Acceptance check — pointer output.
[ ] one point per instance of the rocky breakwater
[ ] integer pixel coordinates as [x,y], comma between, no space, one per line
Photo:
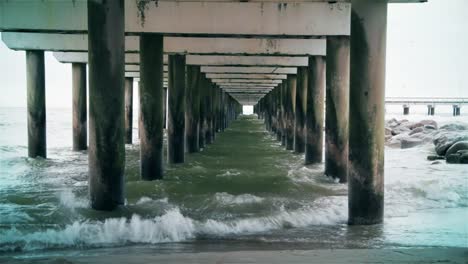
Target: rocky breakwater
[450,140]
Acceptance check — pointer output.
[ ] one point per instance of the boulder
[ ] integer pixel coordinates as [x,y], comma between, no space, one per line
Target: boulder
[410,142]
[435,157]
[453,158]
[454,127]
[459,146]
[464,158]
[430,127]
[416,130]
[445,139]
[388,131]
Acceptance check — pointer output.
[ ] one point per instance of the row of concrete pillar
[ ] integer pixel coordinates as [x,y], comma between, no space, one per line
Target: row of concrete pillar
[431,110]
[197,109]
[352,77]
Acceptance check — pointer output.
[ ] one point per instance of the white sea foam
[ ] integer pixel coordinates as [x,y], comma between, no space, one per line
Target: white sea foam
[70,200]
[229,199]
[170,227]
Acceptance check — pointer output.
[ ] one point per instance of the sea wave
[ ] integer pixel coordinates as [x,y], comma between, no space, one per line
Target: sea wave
[229,199]
[172,226]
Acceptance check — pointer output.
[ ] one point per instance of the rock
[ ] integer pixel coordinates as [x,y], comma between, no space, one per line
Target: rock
[461,145]
[399,130]
[454,127]
[416,130]
[435,162]
[444,140]
[388,131]
[430,127]
[410,142]
[435,157]
[464,158]
[453,158]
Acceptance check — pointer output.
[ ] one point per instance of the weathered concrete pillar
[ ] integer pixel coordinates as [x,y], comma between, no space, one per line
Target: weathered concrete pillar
[315,108]
[203,108]
[35,83]
[367,110]
[337,108]
[279,112]
[284,115]
[176,113]
[209,112]
[106,155]
[214,107]
[80,113]
[456,110]
[128,109]
[405,109]
[430,110]
[192,111]
[300,113]
[290,107]
[165,112]
[151,106]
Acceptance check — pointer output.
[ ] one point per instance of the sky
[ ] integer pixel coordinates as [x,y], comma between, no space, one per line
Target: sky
[427,55]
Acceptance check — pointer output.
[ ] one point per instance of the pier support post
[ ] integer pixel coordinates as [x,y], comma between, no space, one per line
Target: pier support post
[151,106]
[290,107]
[128,110]
[279,122]
[106,155]
[176,106]
[35,83]
[315,108]
[209,112]
[203,109]
[300,112]
[405,109]
[192,111]
[367,109]
[165,112]
[80,113]
[284,89]
[430,110]
[337,108]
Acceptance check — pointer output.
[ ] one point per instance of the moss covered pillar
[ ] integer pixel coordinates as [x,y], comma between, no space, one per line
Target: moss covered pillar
[290,107]
[176,110]
[80,112]
[315,108]
[337,108]
[36,97]
[106,155]
[151,106]
[192,110]
[300,111]
[367,109]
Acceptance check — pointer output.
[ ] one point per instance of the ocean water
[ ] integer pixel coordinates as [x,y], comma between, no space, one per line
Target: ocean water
[242,192]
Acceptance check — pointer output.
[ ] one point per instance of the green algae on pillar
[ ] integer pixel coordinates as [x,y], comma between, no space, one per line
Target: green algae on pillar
[35,83]
[315,108]
[106,155]
[192,111]
[290,107]
[300,112]
[176,110]
[367,109]
[128,109]
[151,106]
[80,113]
[337,108]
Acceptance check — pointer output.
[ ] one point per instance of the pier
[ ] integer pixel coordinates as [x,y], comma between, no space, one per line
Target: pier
[431,103]
[302,64]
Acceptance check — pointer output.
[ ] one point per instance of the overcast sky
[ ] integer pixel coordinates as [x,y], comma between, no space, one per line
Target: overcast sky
[427,55]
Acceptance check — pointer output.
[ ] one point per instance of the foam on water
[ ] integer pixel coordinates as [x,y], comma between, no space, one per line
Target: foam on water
[229,199]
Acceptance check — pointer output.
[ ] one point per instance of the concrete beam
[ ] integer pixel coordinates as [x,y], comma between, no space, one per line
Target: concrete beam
[185,18]
[245,76]
[242,81]
[203,60]
[172,45]
[267,70]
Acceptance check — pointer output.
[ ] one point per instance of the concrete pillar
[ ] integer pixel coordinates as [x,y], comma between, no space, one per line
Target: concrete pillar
[300,112]
[405,109]
[128,109]
[315,108]
[367,110]
[164,102]
[151,106]
[214,102]
[290,107]
[203,109]
[106,155]
[35,85]
[458,110]
[430,110]
[176,107]
[209,112]
[284,89]
[337,108]
[80,113]
[279,122]
[192,111]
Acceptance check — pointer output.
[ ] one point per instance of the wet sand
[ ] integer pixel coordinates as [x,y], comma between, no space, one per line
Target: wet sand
[427,255]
